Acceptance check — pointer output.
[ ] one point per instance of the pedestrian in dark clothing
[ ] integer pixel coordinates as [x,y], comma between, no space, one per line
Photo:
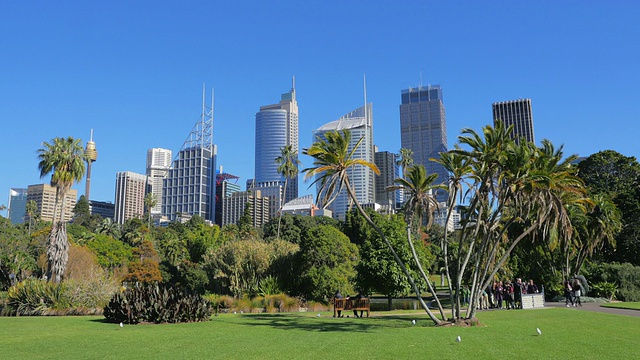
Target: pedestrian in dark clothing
[517,293]
[531,287]
[568,290]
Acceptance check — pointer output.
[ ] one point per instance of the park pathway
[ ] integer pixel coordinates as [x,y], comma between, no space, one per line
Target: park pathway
[590,306]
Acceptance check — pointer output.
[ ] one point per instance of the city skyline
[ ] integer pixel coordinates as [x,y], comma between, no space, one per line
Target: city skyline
[137,79]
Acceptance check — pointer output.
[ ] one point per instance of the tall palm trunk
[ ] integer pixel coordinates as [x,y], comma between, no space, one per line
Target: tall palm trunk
[393,252]
[58,250]
[424,275]
[284,196]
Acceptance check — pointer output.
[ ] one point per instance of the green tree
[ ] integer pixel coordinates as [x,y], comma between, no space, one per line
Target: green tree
[287,167]
[332,160]
[618,176]
[64,159]
[326,262]
[377,270]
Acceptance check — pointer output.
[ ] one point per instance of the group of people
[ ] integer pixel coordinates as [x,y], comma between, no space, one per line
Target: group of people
[338,295]
[572,292]
[502,295]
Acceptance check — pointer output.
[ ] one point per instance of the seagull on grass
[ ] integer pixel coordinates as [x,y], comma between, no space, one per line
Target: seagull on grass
[539,331]
[458,339]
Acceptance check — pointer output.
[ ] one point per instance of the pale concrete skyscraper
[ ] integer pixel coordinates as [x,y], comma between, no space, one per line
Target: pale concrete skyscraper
[423,129]
[130,191]
[158,163]
[276,127]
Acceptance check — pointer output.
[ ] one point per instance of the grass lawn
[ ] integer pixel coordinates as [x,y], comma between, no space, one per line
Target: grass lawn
[504,334]
[623,305]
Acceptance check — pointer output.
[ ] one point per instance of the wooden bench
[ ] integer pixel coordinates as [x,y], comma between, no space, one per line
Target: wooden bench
[343,304]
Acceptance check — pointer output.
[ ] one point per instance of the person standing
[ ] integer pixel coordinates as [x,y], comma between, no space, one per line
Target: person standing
[577,291]
[517,293]
[568,290]
[531,287]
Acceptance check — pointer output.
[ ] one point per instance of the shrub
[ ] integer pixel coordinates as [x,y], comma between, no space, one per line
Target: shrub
[36,297]
[158,304]
[605,289]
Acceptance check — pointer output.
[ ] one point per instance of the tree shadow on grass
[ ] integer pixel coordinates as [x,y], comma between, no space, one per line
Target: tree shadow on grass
[327,324]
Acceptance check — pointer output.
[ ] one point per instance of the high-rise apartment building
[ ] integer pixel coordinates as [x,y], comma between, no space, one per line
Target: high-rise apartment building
[190,185]
[423,129]
[360,123]
[17,205]
[233,207]
[389,171]
[517,113]
[158,164]
[276,127]
[130,191]
[44,196]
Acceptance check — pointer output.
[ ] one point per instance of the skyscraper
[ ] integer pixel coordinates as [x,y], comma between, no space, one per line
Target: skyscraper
[130,191]
[389,171]
[226,184]
[158,164]
[360,123]
[517,113]
[92,156]
[17,205]
[276,127]
[234,205]
[423,129]
[190,186]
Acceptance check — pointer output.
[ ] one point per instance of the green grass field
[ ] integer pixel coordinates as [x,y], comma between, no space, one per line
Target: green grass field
[504,334]
[623,305]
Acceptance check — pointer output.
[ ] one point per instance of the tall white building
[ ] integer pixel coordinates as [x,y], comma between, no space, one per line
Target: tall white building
[360,123]
[158,163]
[130,191]
[276,127]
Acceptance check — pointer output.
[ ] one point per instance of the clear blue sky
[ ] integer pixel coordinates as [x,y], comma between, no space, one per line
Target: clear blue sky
[133,71]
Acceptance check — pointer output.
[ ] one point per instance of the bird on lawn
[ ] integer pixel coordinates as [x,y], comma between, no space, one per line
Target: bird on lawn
[121,325]
[413,321]
[458,339]
[539,331]
[318,314]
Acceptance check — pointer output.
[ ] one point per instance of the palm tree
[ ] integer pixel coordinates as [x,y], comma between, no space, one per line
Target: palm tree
[405,159]
[603,224]
[419,204]
[332,160]
[288,168]
[31,210]
[64,159]
[150,200]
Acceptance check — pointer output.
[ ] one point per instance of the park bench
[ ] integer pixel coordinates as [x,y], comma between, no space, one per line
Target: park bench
[344,304]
